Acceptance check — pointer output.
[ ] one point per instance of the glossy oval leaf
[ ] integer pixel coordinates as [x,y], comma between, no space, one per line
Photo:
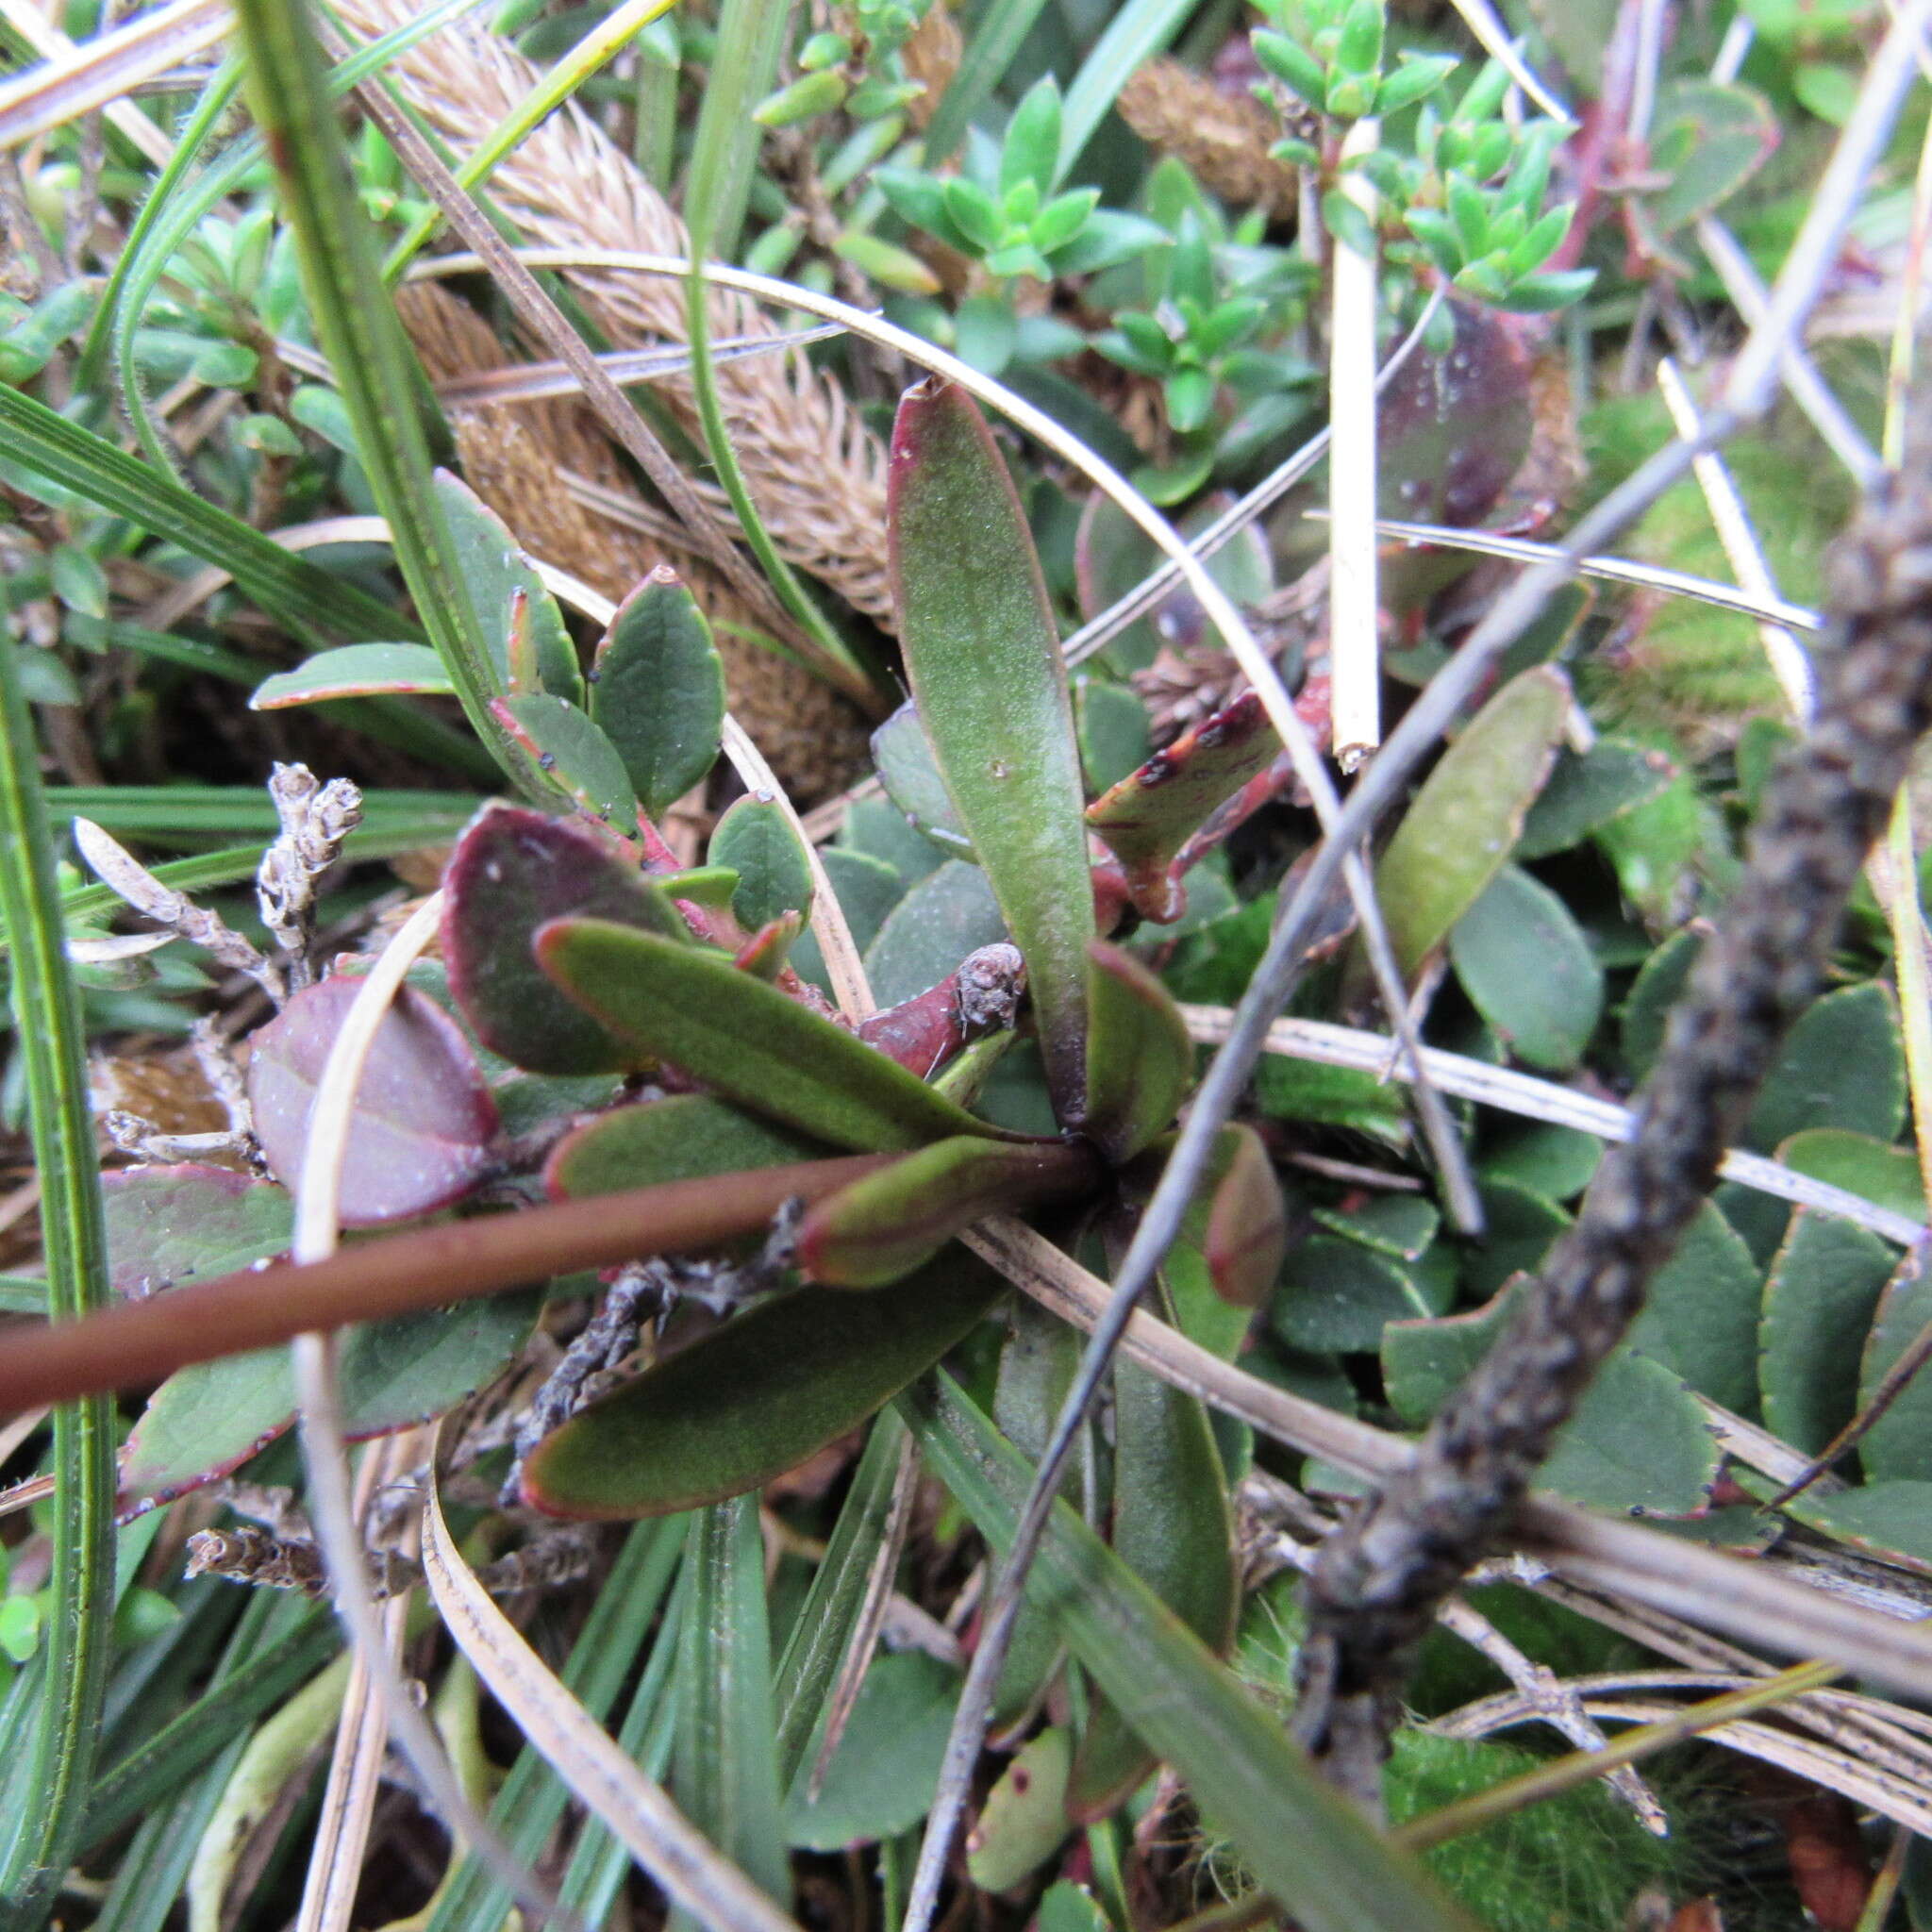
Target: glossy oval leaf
[1588,790]
[511,871]
[1699,1315]
[1140,1060]
[1150,814]
[756,1397]
[574,756]
[1024,1817]
[1460,827]
[691,1007]
[175,1224]
[357,671]
[681,1138]
[984,665]
[755,839]
[657,690]
[1898,1446]
[496,571]
[881,1228]
[422,1130]
[1530,970]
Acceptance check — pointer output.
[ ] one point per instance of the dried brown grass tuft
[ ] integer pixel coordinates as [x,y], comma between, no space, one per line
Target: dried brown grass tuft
[1224,138]
[816,472]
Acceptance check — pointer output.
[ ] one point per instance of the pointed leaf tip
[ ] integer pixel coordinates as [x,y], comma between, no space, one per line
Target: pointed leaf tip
[984,660]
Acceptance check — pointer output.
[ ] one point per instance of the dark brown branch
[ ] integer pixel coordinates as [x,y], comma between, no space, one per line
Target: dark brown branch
[141,1341]
[1383,1574]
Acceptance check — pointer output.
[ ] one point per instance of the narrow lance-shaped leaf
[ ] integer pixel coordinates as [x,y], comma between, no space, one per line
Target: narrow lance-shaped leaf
[683,1136]
[575,758]
[751,1043]
[659,690]
[892,1221]
[724,1772]
[1172,1527]
[756,1397]
[520,619]
[987,673]
[1150,814]
[357,671]
[1465,820]
[513,870]
[1140,1060]
[1305,1842]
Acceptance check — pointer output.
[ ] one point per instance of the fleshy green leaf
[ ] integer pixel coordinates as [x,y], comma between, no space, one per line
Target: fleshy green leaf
[1462,823]
[882,1228]
[423,1124]
[1819,1299]
[1246,1234]
[1337,1295]
[1700,1316]
[1024,1817]
[167,1225]
[1148,816]
[1302,1839]
[513,869]
[574,755]
[1140,1060]
[1530,970]
[986,670]
[755,837]
[1860,1164]
[691,1007]
[357,671]
[488,560]
[1112,722]
[756,1397]
[1708,138]
[659,690]
[683,1136]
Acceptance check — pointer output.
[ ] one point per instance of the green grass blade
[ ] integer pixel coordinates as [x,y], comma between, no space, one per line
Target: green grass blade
[998,37]
[378,376]
[1139,31]
[300,595]
[165,814]
[750,35]
[533,1797]
[22,1295]
[1305,1843]
[830,1615]
[724,1771]
[41,1824]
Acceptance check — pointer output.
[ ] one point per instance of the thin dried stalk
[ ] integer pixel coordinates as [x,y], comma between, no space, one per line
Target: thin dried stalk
[119,869]
[816,472]
[1382,1576]
[315,819]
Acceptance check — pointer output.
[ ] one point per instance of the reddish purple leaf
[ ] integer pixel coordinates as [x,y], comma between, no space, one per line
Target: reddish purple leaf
[1148,817]
[175,1224]
[513,869]
[421,1132]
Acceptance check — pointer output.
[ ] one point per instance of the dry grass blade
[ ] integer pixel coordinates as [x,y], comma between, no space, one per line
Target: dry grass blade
[817,473]
[1706,1588]
[78,80]
[1619,570]
[693,1874]
[533,381]
[390,1710]
[1540,1100]
[31,24]
[1480,18]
